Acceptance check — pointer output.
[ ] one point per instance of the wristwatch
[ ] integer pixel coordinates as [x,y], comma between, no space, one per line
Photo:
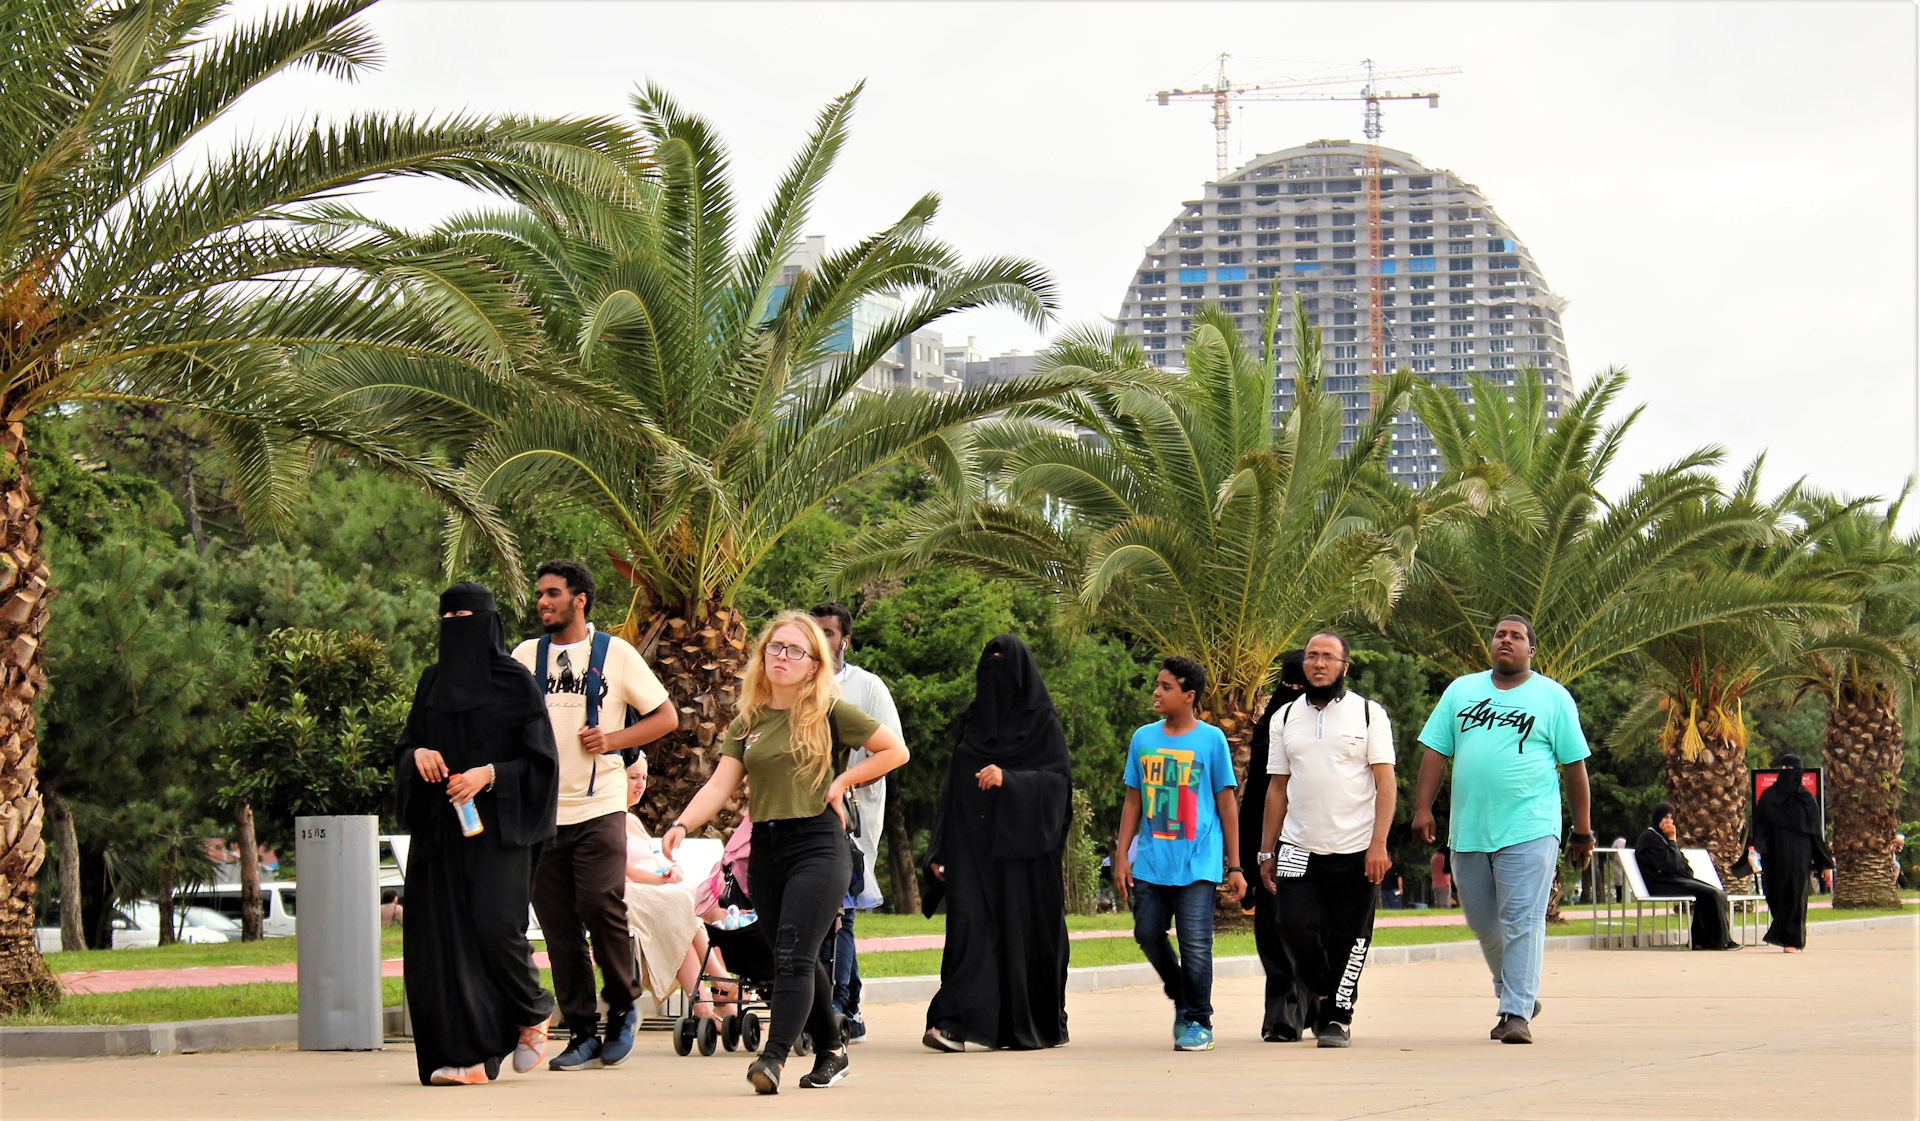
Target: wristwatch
[1580,838]
[1263,857]
[1236,868]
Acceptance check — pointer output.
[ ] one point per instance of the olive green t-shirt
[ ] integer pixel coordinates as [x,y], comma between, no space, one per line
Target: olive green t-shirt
[779,789]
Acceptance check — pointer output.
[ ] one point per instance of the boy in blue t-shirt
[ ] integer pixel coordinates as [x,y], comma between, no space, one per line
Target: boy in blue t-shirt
[1182,773]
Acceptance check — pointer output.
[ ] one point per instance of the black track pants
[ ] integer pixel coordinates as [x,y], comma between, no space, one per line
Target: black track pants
[1326,924]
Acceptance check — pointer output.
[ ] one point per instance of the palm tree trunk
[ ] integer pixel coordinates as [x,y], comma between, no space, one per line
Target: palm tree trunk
[906,880]
[1236,721]
[1864,751]
[169,934]
[23,614]
[699,657]
[72,933]
[250,909]
[1709,794]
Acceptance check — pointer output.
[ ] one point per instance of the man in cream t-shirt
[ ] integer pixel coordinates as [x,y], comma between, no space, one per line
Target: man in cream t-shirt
[1329,806]
[579,888]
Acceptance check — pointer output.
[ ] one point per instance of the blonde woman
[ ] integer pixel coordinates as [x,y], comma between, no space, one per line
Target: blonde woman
[783,740]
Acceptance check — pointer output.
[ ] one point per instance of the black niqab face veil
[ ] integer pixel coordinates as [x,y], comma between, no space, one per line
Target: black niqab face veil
[1012,715]
[1787,804]
[473,649]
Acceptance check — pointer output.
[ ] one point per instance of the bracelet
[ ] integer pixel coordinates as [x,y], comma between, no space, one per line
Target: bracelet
[492,775]
[681,826]
[1235,868]
[1580,838]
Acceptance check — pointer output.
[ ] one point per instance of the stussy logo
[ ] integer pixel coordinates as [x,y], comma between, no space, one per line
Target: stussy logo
[1486,715]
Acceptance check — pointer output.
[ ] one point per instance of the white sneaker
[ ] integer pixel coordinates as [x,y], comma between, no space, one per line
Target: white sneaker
[531,1048]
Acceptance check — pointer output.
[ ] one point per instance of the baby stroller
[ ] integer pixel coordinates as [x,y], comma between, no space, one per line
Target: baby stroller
[749,956]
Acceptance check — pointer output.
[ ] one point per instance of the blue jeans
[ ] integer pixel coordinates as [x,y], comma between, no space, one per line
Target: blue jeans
[839,952]
[1188,978]
[1504,897]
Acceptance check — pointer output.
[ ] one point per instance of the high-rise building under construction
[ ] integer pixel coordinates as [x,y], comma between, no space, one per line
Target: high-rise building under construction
[1459,294]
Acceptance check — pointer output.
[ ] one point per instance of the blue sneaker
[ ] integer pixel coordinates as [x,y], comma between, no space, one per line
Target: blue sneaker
[619,1042]
[1196,1037]
[582,1053]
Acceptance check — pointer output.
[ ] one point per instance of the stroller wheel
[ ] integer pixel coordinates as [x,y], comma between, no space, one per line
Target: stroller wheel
[730,1032]
[750,1030]
[683,1033]
[803,1045]
[709,1037]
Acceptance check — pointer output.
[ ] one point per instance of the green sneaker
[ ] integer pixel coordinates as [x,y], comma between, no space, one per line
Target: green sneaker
[1196,1037]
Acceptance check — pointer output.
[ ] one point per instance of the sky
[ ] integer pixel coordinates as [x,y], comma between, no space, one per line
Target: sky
[1724,192]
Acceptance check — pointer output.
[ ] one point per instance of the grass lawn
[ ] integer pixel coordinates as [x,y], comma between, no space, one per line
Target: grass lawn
[267,951]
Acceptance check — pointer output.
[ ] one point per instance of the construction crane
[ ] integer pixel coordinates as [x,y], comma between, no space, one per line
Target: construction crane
[1225,92]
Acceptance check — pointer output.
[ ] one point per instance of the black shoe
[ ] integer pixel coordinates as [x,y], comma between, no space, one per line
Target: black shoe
[1281,1035]
[828,1067]
[1512,1029]
[1333,1035]
[764,1075]
[941,1041]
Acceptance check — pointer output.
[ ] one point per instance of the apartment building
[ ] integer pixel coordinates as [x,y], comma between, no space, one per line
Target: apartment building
[1460,295]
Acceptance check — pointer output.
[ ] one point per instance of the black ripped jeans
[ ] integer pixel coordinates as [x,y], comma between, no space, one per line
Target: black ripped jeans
[798,876]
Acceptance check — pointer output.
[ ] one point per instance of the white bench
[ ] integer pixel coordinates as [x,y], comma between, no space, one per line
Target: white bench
[1744,922]
[1657,920]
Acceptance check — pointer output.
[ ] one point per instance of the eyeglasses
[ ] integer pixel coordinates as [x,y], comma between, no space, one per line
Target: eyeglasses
[789,653]
[1321,659]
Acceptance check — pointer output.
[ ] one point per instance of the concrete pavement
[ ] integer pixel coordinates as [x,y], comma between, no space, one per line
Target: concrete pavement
[1755,1034]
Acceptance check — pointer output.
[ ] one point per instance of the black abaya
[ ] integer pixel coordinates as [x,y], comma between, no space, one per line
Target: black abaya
[1288,1004]
[1003,974]
[1666,871]
[1786,833]
[470,978]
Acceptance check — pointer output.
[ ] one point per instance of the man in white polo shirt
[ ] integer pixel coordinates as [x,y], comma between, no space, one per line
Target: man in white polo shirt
[1329,805]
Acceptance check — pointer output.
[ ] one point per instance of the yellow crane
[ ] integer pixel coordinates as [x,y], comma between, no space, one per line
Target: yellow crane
[1225,92]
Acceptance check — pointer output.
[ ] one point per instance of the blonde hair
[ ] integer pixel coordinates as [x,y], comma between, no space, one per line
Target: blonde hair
[809,721]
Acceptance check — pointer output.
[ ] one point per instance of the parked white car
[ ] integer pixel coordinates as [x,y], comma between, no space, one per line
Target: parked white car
[138,924]
[276,896]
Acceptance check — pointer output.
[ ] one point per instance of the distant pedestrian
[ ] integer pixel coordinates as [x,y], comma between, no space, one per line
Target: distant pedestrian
[1666,872]
[477,740]
[869,694]
[1787,835]
[579,890]
[1440,868]
[1323,848]
[1508,732]
[1179,778]
[996,854]
[391,912]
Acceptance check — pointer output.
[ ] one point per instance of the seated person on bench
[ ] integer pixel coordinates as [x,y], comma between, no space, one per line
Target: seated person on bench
[660,909]
[1667,872]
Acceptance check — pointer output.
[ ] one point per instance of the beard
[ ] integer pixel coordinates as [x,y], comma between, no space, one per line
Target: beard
[556,626]
[1331,691]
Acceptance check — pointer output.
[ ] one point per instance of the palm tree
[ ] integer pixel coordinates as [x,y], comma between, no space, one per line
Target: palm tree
[137,265]
[1187,517]
[1592,574]
[1695,681]
[725,386]
[1865,664]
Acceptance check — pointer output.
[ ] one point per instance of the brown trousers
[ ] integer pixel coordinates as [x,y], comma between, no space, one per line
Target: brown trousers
[579,890]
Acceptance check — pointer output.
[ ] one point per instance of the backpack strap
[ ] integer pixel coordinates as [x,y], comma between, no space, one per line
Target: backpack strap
[540,651]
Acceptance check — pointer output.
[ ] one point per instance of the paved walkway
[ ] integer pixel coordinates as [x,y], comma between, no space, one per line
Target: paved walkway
[1630,1034]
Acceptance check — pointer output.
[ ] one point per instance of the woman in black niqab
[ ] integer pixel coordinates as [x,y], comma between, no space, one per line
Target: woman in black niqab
[1288,1003]
[478,722]
[996,850]
[1667,871]
[1786,833]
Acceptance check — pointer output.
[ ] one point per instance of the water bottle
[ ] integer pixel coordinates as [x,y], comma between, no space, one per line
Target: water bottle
[469,815]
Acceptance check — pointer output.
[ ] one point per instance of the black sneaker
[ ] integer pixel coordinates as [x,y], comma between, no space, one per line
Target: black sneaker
[828,1067]
[582,1053]
[764,1075]
[1333,1035]
[1513,1029]
[941,1041]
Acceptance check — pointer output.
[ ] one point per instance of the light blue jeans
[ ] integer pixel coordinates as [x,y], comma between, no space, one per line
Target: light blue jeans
[1504,896]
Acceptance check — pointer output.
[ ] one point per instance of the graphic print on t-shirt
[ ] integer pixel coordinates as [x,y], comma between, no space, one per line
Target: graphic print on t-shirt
[1169,781]
[1485,714]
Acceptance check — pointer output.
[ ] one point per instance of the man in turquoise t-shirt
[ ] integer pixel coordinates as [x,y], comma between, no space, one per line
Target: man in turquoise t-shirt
[1180,788]
[1508,731]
